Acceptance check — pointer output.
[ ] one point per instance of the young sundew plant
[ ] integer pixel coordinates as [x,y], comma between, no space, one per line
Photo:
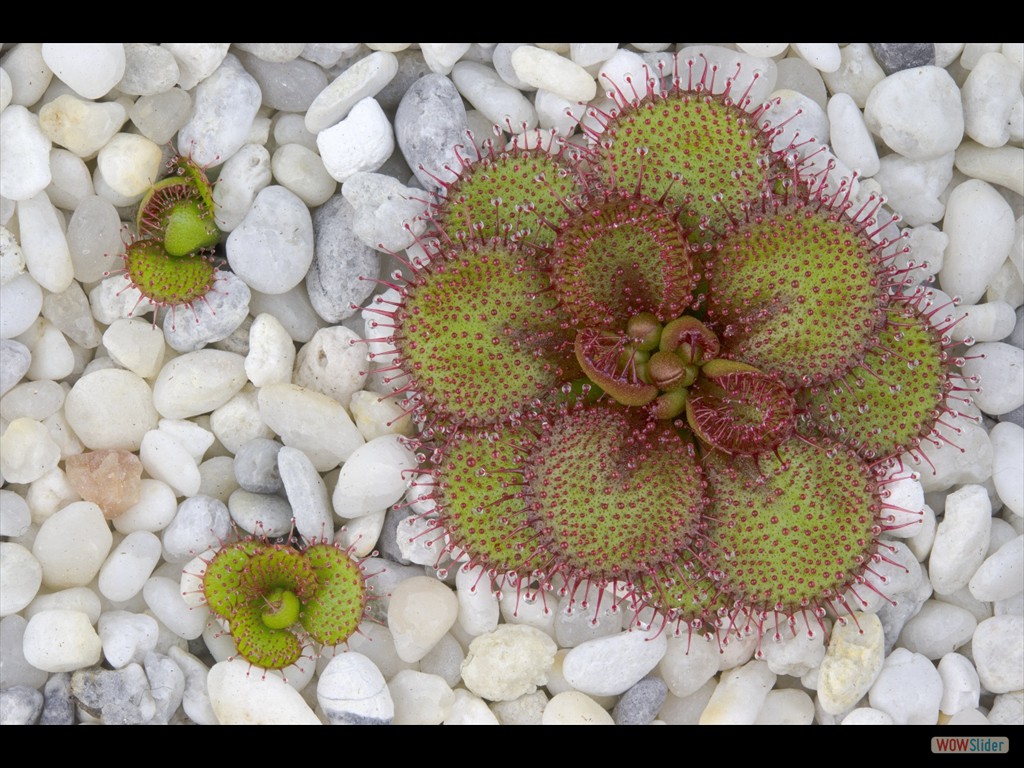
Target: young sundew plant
[277,600]
[675,363]
[171,261]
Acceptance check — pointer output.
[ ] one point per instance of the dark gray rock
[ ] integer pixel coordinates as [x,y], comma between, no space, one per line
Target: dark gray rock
[290,86]
[429,122]
[641,703]
[20,705]
[256,466]
[116,697]
[387,543]
[895,57]
[58,706]
[340,259]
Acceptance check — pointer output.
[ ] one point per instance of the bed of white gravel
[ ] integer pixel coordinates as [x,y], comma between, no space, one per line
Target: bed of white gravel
[318,149]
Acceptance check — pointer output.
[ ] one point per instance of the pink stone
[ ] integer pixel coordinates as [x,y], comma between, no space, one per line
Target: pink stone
[109,478]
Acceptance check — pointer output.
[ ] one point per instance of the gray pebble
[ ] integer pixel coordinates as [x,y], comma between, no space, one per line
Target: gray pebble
[307,495]
[117,697]
[387,543]
[289,86]
[238,340]
[411,67]
[166,683]
[202,523]
[58,706]
[340,259]
[641,703]
[1016,416]
[212,318]
[260,514]
[256,466]
[14,362]
[894,617]
[895,57]
[429,122]
[20,705]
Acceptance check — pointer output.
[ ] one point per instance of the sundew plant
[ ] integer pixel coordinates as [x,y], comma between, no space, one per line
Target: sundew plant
[673,364]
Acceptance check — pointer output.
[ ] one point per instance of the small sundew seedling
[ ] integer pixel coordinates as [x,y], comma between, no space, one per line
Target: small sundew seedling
[178,210]
[276,599]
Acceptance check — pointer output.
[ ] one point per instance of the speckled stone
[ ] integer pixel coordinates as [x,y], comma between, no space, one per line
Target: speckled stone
[641,703]
[898,56]
[20,705]
[58,706]
[340,259]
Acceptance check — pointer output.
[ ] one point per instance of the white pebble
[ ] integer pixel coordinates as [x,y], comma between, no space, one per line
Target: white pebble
[166,459]
[52,355]
[333,362]
[499,102]
[917,112]
[152,512]
[127,637]
[135,345]
[271,352]
[374,477]
[61,641]
[512,661]
[300,170]
[961,539]
[163,596]
[360,142]
[239,420]
[468,709]
[852,662]
[27,452]
[1008,457]
[361,80]
[202,523]
[421,611]
[130,163]
[22,299]
[478,603]
[575,708]
[94,237]
[867,716]
[351,690]
[991,321]
[198,382]
[111,409]
[44,244]
[908,689]
[851,140]
[243,695]
[83,127]
[611,665]
[1001,576]
[223,110]
[441,57]
[376,416]
[1002,166]
[90,69]
[990,94]
[21,575]
[72,544]
[689,662]
[1000,369]
[789,706]
[420,699]
[128,566]
[545,69]
[998,650]
[980,226]
[739,695]
[272,248]
[314,423]
[937,629]
[241,178]
[83,599]
[961,688]
[821,56]
[387,214]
